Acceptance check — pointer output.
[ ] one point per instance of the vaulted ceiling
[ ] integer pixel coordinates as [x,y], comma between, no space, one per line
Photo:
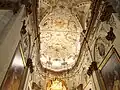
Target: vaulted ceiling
[61,23]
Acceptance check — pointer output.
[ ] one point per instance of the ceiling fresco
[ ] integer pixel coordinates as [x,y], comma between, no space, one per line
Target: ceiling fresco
[60,32]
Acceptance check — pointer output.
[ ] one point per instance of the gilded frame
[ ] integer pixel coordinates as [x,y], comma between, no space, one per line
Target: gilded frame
[110,70]
[15,71]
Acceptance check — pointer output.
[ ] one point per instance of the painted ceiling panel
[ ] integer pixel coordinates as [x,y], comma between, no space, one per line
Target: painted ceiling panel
[60,31]
[60,36]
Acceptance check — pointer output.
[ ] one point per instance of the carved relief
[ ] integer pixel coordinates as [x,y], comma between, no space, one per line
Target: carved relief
[101,45]
[101,49]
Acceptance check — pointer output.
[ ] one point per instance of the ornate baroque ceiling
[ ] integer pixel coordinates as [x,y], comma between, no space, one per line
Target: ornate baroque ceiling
[60,25]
